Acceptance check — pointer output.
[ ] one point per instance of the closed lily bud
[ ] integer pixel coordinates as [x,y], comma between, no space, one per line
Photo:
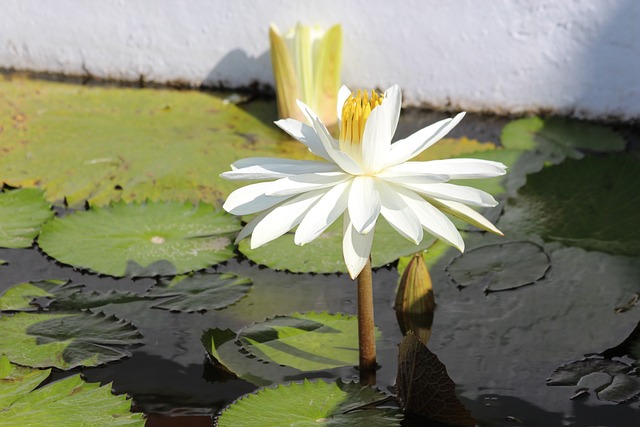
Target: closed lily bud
[415,302]
[307,61]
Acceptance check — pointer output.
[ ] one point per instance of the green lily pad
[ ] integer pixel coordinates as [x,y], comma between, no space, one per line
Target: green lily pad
[500,267]
[227,354]
[69,402]
[141,239]
[65,341]
[200,292]
[305,341]
[591,203]
[560,137]
[324,254]
[22,213]
[105,144]
[310,404]
[20,296]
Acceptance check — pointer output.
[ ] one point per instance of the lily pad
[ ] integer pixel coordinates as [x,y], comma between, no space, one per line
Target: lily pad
[558,137]
[619,383]
[227,354]
[425,388]
[65,341]
[305,341]
[141,239]
[20,296]
[22,213]
[105,144]
[310,404]
[591,203]
[200,292]
[69,402]
[324,254]
[500,267]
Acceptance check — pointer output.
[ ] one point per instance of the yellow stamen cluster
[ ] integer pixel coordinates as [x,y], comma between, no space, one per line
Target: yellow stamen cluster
[355,113]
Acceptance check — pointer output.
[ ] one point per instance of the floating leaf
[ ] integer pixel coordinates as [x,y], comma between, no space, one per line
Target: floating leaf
[305,341]
[227,354]
[20,296]
[68,402]
[65,340]
[560,137]
[500,267]
[619,386]
[424,387]
[200,292]
[592,203]
[324,254]
[22,213]
[107,144]
[310,404]
[138,240]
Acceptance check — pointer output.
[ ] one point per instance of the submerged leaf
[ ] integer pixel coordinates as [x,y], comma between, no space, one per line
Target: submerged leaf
[310,404]
[424,387]
[67,340]
[591,203]
[19,297]
[500,267]
[22,213]
[141,240]
[200,292]
[67,402]
[305,341]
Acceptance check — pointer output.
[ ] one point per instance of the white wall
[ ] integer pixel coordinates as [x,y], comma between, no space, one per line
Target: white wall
[578,57]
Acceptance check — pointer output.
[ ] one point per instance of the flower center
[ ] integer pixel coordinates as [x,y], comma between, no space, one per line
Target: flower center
[355,113]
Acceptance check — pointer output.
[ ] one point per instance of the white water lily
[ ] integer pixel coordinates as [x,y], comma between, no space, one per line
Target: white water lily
[362,175]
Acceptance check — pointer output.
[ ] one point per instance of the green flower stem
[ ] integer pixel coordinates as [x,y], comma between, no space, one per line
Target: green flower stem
[366,336]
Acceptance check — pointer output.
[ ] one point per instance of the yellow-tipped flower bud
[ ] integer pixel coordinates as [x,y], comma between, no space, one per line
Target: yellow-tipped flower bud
[415,302]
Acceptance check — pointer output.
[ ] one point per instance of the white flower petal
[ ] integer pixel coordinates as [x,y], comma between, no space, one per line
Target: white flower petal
[398,214]
[356,248]
[456,193]
[302,183]
[431,219]
[364,204]
[414,144]
[260,168]
[392,104]
[411,174]
[465,213]
[306,135]
[376,141]
[458,168]
[338,157]
[343,94]
[251,225]
[329,208]
[283,218]
[251,199]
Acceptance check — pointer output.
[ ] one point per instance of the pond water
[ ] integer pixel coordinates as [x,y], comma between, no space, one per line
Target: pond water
[560,293]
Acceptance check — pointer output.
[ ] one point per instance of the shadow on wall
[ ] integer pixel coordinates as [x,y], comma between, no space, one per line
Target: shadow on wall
[243,68]
[604,84]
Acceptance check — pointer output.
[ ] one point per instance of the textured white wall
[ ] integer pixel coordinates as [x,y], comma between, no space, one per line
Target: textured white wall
[579,57]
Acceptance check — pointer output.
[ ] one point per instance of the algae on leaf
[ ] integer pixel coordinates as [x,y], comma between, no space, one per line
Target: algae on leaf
[68,402]
[141,239]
